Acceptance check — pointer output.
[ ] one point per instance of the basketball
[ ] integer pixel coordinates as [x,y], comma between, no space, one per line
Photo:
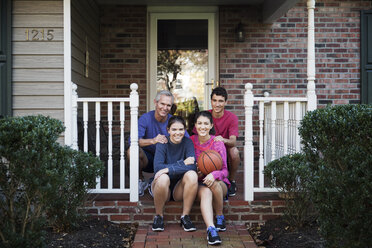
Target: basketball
[209,161]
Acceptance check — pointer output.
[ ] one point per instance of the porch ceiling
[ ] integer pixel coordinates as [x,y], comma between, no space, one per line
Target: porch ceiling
[271,9]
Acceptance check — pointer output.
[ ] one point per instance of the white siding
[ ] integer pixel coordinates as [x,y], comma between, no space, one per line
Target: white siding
[85,28]
[37,72]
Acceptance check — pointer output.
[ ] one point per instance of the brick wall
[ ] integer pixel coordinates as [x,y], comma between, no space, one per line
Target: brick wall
[144,211]
[273,57]
[123,51]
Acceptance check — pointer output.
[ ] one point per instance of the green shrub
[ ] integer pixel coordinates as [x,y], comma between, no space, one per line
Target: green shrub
[291,175]
[78,172]
[338,143]
[34,171]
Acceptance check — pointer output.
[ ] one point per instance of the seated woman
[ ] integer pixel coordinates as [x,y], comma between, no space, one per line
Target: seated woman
[212,187]
[175,174]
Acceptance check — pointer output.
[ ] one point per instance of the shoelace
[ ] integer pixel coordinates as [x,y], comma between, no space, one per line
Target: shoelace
[213,231]
[157,219]
[186,219]
[220,220]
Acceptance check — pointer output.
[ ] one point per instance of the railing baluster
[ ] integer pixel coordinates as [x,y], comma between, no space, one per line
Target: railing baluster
[267,136]
[109,160]
[261,146]
[298,119]
[273,122]
[122,179]
[85,121]
[285,119]
[98,139]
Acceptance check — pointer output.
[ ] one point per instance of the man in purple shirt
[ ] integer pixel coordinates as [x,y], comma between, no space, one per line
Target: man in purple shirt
[152,129]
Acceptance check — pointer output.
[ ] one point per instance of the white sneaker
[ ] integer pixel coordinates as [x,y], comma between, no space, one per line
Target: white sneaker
[142,186]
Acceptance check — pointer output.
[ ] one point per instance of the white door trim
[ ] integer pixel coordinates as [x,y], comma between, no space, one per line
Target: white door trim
[162,13]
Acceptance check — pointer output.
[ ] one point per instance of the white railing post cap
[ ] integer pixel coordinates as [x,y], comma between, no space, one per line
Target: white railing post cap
[134,86]
[248,86]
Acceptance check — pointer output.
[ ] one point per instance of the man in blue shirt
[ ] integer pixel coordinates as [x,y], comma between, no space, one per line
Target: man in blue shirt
[152,129]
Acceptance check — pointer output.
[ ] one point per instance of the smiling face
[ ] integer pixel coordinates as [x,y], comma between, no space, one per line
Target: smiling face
[218,104]
[176,132]
[203,125]
[163,107]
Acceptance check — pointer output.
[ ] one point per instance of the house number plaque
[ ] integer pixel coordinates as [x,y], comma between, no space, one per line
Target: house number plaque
[39,34]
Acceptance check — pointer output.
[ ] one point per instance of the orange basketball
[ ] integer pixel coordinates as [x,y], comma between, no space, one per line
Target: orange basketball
[209,161]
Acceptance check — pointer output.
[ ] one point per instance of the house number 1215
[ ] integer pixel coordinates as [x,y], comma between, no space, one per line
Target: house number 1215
[39,34]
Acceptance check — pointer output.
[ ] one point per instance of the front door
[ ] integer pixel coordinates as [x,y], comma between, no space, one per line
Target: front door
[183,59]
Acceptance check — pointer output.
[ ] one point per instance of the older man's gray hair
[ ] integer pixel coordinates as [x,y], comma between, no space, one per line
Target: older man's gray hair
[164,93]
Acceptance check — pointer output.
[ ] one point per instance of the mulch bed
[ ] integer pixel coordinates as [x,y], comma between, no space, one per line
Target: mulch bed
[95,233]
[277,234]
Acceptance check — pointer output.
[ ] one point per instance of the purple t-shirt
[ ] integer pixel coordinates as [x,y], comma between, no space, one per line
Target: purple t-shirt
[149,128]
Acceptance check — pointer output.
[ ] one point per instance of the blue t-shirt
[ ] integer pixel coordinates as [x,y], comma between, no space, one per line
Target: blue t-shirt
[149,128]
[172,155]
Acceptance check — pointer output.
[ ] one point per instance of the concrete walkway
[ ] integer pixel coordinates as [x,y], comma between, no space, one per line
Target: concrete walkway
[236,236]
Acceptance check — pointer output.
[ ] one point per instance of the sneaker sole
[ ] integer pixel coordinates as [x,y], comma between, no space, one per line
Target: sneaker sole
[190,229]
[158,229]
[217,242]
[220,229]
[232,194]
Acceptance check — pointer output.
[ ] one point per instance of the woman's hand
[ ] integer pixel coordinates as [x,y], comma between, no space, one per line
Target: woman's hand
[161,172]
[189,160]
[200,174]
[209,180]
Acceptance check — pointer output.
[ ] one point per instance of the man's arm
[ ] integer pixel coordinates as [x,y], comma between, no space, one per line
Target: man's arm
[231,142]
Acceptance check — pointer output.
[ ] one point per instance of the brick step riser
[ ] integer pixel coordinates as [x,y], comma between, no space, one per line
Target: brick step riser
[237,212]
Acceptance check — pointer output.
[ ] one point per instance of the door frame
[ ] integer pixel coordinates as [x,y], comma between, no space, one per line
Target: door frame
[156,13]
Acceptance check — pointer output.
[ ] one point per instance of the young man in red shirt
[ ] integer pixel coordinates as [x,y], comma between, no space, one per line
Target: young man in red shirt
[227,131]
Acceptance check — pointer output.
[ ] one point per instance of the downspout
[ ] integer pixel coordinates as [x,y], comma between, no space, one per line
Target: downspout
[67,71]
[311,95]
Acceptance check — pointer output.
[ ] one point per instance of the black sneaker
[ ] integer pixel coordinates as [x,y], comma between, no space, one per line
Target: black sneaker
[220,223]
[232,189]
[158,225]
[212,236]
[187,225]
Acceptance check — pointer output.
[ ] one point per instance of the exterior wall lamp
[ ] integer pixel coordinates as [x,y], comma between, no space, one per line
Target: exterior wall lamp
[239,33]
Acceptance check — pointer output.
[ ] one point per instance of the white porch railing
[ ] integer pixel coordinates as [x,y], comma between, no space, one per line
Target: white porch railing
[278,122]
[279,118]
[133,101]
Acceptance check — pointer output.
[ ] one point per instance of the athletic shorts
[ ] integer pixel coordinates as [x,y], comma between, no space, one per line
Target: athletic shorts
[150,164]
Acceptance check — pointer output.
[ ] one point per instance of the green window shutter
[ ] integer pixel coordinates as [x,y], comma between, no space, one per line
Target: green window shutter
[366,56]
[5,59]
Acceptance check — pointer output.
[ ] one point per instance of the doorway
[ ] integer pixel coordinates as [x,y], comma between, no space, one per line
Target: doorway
[183,58]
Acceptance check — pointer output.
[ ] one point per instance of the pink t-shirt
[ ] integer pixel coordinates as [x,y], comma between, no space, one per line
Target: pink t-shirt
[227,125]
[218,146]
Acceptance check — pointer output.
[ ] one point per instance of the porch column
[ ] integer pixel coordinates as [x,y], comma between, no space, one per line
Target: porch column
[67,72]
[311,96]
